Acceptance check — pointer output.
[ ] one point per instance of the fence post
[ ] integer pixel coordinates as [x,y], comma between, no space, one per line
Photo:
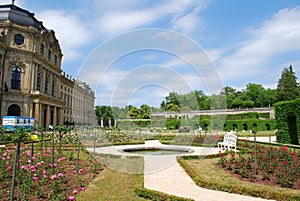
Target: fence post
[16,161]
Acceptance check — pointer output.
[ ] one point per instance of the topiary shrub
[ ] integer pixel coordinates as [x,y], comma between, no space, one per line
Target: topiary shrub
[287,115]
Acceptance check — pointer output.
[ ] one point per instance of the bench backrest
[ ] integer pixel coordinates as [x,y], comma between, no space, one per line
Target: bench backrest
[230,139]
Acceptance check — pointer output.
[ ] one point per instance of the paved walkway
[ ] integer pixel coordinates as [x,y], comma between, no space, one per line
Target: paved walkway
[260,139]
[163,173]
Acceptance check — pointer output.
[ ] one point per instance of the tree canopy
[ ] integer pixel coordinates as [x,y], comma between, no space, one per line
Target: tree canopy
[287,87]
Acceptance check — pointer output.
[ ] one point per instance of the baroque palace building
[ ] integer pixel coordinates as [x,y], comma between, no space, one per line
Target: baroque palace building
[32,81]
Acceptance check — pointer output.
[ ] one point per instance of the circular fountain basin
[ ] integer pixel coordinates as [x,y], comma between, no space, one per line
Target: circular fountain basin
[158,150]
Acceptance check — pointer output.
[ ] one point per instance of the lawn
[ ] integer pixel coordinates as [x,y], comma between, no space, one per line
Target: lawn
[112,185]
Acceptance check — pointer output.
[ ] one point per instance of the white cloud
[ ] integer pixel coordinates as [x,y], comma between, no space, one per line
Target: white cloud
[69,29]
[188,22]
[275,37]
[115,18]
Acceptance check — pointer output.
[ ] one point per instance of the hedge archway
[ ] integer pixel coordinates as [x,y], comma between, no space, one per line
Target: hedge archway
[287,114]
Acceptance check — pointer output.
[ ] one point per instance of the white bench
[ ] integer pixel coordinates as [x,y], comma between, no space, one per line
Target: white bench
[229,142]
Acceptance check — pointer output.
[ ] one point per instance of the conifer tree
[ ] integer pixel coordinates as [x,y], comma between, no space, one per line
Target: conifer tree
[287,87]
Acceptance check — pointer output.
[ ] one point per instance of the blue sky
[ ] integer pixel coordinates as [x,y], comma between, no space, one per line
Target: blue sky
[248,41]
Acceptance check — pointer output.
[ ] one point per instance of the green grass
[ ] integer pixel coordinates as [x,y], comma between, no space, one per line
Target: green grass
[117,181]
[206,174]
[258,134]
[122,179]
[112,185]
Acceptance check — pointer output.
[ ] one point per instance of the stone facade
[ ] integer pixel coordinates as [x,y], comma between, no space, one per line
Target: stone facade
[32,81]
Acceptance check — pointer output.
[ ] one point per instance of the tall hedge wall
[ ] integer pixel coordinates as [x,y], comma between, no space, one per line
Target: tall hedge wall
[246,124]
[287,115]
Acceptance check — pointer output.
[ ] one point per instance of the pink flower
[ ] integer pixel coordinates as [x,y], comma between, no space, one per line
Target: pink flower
[3,158]
[33,169]
[61,159]
[81,188]
[71,198]
[45,172]
[33,158]
[60,174]
[53,177]
[9,168]
[45,176]
[23,167]
[42,162]
[81,170]
[74,172]
[75,192]
[36,179]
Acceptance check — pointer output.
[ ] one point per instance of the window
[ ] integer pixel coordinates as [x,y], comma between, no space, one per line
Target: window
[55,59]
[13,110]
[38,82]
[52,88]
[46,85]
[49,55]
[16,78]
[42,49]
[19,39]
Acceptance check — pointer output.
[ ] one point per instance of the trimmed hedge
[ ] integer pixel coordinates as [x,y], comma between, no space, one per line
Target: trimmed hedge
[156,195]
[287,114]
[246,124]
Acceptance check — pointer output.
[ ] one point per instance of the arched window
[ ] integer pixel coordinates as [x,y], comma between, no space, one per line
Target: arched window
[13,110]
[38,82]
[16,78]
[46,85]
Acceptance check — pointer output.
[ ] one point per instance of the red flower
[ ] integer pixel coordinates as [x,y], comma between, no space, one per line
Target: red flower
[284,162]
[232,154]
[223,155]
[295,156]
[245,145]
[284,148]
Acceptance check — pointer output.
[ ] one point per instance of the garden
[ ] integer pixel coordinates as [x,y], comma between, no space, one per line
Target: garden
[270,165]
[55,168]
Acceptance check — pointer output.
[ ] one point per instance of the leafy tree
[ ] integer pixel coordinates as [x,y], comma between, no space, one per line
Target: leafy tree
[172,98]
[145,111]
[104,112]
[267,98]
[134,112]
[120,113]
[253,91]
[287,87]
[231,95]
[171,107]
[204,101]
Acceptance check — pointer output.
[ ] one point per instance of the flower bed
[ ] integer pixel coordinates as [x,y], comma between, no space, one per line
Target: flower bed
[269,165]
[41,174]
